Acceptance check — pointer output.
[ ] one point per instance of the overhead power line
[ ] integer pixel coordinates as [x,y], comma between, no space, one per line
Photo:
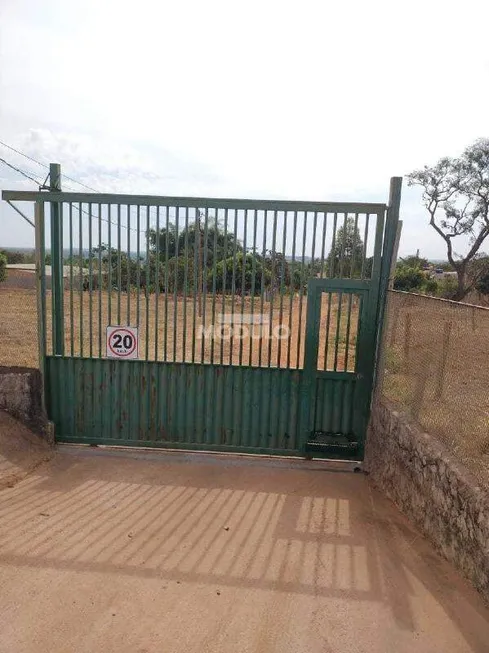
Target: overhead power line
[43,185]
[45,165]
[22,172]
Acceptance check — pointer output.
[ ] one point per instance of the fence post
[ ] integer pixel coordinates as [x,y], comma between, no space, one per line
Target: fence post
[391,283]
[447,329]
[57,277]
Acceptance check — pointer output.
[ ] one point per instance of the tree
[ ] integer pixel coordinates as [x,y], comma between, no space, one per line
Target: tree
[477,270]
[415,261]
[482,285]
[456,196]
[210,243]
[3,267]
[411,276]
[234,270]
[165,241]
[123,270]
[345,257]
[278,269]
[14,257]
[408,279]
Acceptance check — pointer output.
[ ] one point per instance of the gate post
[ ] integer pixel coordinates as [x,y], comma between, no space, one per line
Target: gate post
[392,237]
[57,277]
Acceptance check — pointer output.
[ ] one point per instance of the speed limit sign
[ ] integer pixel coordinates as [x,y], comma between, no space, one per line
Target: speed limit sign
[122,342]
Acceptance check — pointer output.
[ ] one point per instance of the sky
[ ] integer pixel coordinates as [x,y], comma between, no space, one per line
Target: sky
[311,100]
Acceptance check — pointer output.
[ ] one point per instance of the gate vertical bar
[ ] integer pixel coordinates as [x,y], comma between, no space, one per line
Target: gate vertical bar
[310,363]
[41,292]
[57,261]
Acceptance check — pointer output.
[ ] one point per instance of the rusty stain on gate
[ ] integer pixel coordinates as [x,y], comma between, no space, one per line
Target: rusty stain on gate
[258,320]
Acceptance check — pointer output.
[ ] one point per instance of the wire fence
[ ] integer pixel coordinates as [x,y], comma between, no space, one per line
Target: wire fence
[18,322]
[437,371]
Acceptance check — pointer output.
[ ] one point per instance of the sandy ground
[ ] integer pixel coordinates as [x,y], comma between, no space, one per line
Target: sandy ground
[21,451]
[159,552]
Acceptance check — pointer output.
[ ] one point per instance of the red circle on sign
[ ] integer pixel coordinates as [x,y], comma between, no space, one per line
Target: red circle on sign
[124,331]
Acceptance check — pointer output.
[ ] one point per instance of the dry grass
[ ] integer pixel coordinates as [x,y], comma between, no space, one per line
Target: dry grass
[167,327]
[18,327]
[451,400]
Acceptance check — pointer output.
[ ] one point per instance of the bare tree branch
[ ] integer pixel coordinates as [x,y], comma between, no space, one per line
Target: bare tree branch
[458,188]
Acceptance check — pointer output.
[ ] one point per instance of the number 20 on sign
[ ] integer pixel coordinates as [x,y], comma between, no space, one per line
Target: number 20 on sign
[122,342]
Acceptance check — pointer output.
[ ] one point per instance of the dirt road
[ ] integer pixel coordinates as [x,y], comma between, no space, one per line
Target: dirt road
[140,552]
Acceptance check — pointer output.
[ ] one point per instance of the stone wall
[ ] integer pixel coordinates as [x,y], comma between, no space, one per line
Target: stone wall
[434,491]
[21,396]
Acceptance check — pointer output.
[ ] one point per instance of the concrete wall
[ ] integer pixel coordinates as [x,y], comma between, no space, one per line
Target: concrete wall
[20,395]
[434,491]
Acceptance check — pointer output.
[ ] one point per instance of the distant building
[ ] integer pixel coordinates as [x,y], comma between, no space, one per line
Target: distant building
[23,275]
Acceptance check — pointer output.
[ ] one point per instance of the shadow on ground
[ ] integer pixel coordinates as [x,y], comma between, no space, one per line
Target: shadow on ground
[287,527]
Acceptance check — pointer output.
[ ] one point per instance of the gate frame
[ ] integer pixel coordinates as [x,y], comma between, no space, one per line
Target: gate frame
[376,287]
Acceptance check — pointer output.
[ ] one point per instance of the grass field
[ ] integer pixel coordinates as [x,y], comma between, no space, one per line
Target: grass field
[167,328]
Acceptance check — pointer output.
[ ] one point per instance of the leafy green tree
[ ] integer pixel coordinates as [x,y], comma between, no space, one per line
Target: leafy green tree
[165,241]
[206,243]
[14,257]
[242,274]
[410,276]
[482,285]
[3,267]
[345,257]
[300,275]
[447,288]
[409,279]
[430,286]
[415,261]
[123,271]
[177,274]
[278,269]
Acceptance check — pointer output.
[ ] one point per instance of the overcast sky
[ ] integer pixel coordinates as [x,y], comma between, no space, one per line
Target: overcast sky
[264,98]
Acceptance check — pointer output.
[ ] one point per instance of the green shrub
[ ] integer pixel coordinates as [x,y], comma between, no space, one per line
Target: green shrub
[409,279]
[3,267]
[447,288]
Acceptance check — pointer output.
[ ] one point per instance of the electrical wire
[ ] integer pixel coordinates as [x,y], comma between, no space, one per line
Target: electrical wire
[43,186]
[22,172]
[45,165]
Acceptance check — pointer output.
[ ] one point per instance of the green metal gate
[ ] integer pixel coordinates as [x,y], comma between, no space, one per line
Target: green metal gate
[257,321]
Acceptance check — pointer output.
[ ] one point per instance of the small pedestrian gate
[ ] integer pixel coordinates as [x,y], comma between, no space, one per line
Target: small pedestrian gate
[236,325]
